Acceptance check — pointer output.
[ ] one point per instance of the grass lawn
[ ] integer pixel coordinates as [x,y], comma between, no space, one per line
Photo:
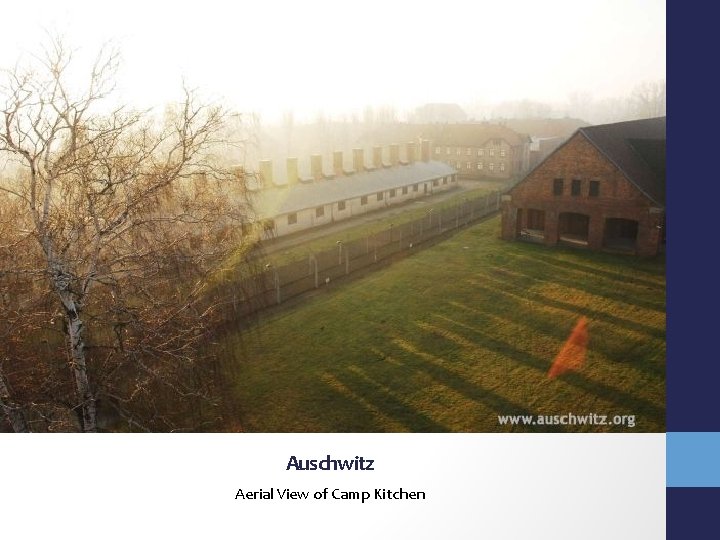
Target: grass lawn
[404,213]
[453,336]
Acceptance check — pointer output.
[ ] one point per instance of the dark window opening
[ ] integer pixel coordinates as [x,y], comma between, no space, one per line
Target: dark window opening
[536,219]
[320,211]
[341,205]
[416,187]
[594,188]
[575,187]
[532,229]
[380,196]
[404,191]
[574,228]
[436,182]
[292,218]
[363,200]
[558,186]
[392,193]
[620,234]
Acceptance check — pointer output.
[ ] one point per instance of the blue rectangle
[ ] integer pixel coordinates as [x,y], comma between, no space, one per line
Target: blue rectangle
[693,459]
[692,513]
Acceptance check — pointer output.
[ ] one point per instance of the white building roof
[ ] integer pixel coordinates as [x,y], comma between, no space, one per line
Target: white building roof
[276,201]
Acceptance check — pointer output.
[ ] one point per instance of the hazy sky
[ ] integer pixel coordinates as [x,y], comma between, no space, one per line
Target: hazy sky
[272,55]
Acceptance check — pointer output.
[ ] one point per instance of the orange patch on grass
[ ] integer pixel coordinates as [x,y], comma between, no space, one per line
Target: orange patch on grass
[572,354]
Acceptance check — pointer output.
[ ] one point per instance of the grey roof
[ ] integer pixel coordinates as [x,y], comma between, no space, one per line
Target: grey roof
[276,201]
[637,148]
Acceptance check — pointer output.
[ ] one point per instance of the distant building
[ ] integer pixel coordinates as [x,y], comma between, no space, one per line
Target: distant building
[301,203]
[481,150]
[546,134]
[476,150]
[603,189]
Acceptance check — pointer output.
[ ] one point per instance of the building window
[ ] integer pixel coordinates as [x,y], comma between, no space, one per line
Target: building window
[380,196]
[468,165]
[435,182]
[341,205]
[594,188]
[502,152]
[480,165]
[445,179]
[468,152]
[458,151]
[481,152]
[558,186]
[404,190]
[320,211]
[363,200]
[392,193]
[416,187]
[437,149]
[492,152]
[447,150]
[452,178]
[575,187]
[502,166]
[292,218]
[491,166]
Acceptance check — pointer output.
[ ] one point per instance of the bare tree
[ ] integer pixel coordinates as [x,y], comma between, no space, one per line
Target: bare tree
[120,220]
[648,100]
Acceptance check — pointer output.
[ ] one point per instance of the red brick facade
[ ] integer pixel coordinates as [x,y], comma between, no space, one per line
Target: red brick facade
[612,214]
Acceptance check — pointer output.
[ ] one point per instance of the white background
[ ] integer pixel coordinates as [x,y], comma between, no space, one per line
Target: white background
[495,486]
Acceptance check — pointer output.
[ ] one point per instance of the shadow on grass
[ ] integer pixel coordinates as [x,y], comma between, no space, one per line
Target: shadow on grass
[566,275]
[523,294]
[378,398]
[621,398]
[654,268]
[432,366]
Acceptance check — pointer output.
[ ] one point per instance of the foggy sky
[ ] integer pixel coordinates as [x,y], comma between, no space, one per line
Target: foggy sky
[272,56]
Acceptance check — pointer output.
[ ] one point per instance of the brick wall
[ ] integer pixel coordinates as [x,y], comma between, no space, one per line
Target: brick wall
[618,198]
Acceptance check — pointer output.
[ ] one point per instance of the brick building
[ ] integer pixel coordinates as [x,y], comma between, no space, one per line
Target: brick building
[477,150]
[603,189]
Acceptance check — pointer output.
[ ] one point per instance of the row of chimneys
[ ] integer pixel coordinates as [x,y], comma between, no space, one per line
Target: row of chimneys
[316,170]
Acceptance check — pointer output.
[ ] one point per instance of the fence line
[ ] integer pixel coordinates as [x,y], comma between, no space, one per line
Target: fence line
[294,278]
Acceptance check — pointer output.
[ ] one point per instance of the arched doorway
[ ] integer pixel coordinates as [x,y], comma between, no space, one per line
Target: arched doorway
[573,228]
[620,234]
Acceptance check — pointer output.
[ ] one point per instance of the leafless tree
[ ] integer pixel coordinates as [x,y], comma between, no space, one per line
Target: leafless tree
[648,100]
[114,230]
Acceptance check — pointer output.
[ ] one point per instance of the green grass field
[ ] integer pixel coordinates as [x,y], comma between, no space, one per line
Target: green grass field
[404,213]
[452,337]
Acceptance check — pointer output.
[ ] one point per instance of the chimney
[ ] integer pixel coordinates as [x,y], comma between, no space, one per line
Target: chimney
[394,155]
[338,162]
[292,171]
[358,160]
[410,153]
[377,157]
[316,167]
[425,150]
[266,175]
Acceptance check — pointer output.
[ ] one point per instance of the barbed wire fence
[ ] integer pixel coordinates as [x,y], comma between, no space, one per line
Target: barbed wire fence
[282,282]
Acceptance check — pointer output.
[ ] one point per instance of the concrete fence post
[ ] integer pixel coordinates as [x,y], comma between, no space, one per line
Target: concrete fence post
[313,261]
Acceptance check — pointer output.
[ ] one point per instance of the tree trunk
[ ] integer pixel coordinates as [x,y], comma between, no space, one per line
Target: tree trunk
[76,330]
[14,414]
